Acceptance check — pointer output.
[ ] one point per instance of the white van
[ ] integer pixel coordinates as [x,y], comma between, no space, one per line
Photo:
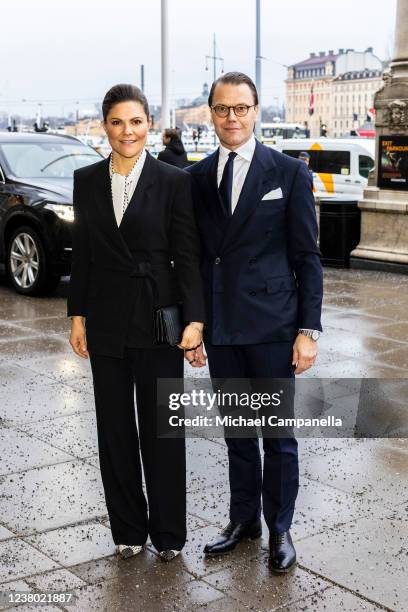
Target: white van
[340,166]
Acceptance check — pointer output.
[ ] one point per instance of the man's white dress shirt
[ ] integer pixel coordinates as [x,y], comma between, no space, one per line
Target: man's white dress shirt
[242,162]
[125,184]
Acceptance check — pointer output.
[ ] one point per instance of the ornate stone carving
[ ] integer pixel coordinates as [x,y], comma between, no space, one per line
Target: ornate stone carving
[396,115]
[386,77]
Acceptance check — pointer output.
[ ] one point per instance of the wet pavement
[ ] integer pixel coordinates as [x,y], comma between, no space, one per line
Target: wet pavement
[351,520]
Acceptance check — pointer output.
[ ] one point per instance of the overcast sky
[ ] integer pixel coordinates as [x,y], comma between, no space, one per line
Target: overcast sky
[58,52]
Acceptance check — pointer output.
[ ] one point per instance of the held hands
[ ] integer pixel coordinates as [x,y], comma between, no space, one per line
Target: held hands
[78,337]
[192,336]
[304,353]
[197,358]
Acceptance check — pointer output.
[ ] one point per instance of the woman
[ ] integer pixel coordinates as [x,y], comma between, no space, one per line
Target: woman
[135,248]
[174,152]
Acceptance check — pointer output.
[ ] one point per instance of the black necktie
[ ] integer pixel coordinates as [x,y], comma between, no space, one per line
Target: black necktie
[226,183]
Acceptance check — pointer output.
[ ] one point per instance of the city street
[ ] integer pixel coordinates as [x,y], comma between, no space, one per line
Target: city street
[351,523]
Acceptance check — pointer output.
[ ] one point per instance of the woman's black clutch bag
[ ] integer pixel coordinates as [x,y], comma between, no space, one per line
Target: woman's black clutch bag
[169,324]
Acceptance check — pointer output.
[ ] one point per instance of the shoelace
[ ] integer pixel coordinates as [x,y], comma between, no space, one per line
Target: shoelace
[277,538]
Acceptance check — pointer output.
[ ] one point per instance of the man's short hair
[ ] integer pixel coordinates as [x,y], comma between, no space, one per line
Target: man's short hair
[234,78]
[304,155]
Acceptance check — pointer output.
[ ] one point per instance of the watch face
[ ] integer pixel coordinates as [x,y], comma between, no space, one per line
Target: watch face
[315,335]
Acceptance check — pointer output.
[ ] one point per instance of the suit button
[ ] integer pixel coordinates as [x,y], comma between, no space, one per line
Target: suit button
[253,260]
[252,293]
[217,260]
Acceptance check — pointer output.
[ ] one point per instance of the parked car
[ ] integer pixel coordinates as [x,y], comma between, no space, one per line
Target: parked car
[340,165]
[36,212]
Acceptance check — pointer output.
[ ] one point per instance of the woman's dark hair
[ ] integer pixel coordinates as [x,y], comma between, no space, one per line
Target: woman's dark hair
[234,78]
[123,93]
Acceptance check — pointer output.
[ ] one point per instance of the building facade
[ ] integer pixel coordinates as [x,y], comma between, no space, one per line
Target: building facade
[353,100]
[310,86]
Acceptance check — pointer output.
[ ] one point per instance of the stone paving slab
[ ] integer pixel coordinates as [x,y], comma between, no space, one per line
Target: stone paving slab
[368,556]
[51,497]
[157,593]
[65,367]
[113,568]
[374,472]
[255,585]
[211,504]
[12,587]
[18,559]
[24,352]
[12,332]
[75,544]
[74,434]
[21,452]
[27,396]
[5,534]
[330,600]
[320,507]
[55,580]
[353,368]
[206,462]
[47,326]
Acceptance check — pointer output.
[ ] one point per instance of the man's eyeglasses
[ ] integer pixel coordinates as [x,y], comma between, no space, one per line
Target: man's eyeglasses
[240,110]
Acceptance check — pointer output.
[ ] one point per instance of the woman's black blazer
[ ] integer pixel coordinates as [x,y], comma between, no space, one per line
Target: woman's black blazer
[158,228]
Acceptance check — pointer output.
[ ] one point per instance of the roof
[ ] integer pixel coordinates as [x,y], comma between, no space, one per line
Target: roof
[319,60]
[34,137]
[367,73]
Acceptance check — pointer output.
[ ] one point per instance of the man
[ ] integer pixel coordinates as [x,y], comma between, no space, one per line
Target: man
[305,158]
[263,283]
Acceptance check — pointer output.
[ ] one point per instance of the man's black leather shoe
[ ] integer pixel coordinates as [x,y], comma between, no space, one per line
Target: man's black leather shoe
[282,554]
[231,535]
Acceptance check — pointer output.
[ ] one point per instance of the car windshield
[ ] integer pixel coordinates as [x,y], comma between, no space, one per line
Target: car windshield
[46,159]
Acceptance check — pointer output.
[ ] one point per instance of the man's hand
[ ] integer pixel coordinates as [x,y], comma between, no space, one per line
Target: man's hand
[78,337]
[196,358]
[304,353]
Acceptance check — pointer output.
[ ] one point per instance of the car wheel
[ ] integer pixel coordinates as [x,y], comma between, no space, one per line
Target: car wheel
[27,263]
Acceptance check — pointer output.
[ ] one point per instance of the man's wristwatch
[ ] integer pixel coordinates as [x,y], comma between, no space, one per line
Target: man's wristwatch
[313,334]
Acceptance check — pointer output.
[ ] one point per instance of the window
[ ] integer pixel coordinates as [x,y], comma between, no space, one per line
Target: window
[47,159]
[365,164]
[330,162]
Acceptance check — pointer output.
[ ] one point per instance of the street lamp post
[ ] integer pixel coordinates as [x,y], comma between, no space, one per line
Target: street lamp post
[258,76]
[214,58]
[165,106]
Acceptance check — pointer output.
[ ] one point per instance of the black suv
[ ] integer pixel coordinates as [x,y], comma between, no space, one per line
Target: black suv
[36,210]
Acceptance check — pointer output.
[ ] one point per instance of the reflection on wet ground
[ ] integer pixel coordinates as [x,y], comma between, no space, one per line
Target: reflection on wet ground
[351,523]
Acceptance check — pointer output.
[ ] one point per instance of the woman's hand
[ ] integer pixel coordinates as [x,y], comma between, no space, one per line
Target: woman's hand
[78,337]
[192,336]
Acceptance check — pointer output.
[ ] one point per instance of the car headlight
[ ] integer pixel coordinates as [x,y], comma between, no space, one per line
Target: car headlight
[63,211]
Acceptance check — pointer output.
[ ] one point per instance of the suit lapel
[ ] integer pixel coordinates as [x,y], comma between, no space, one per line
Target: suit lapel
[141,194]
[210,184]
[104,203]
[261,176]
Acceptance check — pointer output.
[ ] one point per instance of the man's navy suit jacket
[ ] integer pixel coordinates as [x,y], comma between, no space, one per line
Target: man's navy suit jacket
[261,267]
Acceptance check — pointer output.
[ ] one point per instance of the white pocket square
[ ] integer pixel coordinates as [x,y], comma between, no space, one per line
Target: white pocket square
[273,195]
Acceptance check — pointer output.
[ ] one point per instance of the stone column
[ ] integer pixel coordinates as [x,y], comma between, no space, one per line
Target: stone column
[399,64]
[384,211]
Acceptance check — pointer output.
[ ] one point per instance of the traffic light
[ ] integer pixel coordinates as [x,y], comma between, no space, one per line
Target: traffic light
[323,129]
